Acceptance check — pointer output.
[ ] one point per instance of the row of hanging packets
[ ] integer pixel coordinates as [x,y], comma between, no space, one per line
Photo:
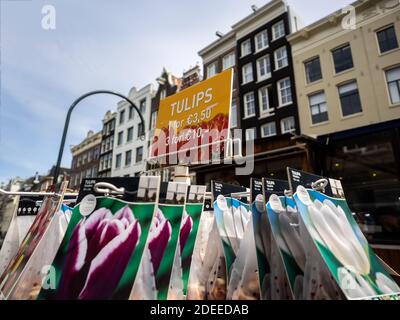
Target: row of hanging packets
[34,277]
[296,271]
[158,258]
[342,247]
[103,245]
[22,276]
[291,259]
[235,228]
[186,243]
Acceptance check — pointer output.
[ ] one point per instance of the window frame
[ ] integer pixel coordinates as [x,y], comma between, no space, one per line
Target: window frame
[346,45]
[281,104]
[274,37]
[268,74]
[397,81]
[153,119]
[243,73]
[308,80]
[277,67]
[265,46]
[246,115]
[341,85]
[142,105]
[260,104]
[136,154]
[129,130]
[247,41]
[120,134]
[267,125]
[282,125]
[118,160]
[126,158]
[232,115]
[122,116]
[214,65]
[319,107]
[230,54]
[379,43]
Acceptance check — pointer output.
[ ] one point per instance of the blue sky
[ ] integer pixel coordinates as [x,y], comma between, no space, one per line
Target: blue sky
[97,44]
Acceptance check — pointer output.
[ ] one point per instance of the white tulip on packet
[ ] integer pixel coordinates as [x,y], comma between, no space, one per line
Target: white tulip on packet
[343,248]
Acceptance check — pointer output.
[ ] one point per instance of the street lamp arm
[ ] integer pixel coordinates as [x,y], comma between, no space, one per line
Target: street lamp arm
[67,119]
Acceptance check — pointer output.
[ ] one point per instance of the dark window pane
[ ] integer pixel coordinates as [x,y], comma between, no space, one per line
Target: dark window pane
[342,59]
[122,116]
[130,134]
[320,117]
[119,141]
[128,157]
[313,70]
[387,39]
[140,129]
[139,154]
[350,102]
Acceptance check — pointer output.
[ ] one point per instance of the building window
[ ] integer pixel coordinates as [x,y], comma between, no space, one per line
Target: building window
[263,100]
[131,112]
[109,161]
[393,81]
[249,105]
[120,137]
[234,114]
[287,125]
[285,92]
[261,40]
[142,107]
[278,30]
[342,58]
[118,161]
[140,130]
[247,73]
[139,154]
[263,68]
[163,94]
[268,130]
[387,39]
[211,70]
[129,134]
[313,70]
[350,99]
[153,120]
[245,48]
[281,58]
[121,116]
[251,134]
[128,157]
[228,61]
[318,107]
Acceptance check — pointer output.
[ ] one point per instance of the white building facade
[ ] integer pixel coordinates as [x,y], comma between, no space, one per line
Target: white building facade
[130,148]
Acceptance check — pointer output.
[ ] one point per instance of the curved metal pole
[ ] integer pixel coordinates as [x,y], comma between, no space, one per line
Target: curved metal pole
[71,108]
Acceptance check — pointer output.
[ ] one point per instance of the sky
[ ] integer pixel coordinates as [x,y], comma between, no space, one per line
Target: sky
[97,44]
